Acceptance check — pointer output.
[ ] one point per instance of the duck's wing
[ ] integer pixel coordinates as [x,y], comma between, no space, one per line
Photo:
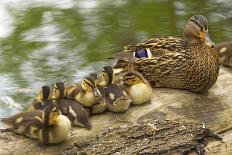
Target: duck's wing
[160,49]
[27,116]
[22,121]
[82,116]
[155,47]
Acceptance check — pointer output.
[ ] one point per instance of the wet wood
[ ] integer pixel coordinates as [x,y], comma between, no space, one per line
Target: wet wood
[212,108]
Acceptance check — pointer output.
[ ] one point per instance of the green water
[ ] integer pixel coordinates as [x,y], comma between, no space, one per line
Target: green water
[44,41]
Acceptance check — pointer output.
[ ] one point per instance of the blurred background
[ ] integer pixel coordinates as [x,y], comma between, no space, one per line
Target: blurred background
[44,41]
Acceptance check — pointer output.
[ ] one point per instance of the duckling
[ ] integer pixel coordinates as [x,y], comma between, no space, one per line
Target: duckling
[46,125]
[70,107]
[106,76]
[225,52]
[42,97]
[116,98]
[83,92]
[190,63]
[100,104]
[138,88]
[110,75]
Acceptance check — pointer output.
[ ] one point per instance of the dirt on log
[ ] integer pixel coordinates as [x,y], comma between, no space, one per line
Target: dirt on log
[212,108]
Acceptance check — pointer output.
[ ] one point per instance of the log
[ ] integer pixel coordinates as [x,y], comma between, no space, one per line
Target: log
[182,108]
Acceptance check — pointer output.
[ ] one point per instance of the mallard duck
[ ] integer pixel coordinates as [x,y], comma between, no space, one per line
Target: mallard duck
[42,97]
[190,63]
[138,88]
[225,52]
[116,98]
[46,125]
[70,107]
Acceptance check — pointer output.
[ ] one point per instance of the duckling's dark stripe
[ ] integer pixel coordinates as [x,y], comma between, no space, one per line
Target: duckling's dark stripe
[89,81]
[61,87]
[128,78]
[45,134]
[48,109]
[94,76]
[46,92]
[110,73]
[201,27]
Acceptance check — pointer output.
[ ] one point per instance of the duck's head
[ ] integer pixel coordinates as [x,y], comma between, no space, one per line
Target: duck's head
[50,114]
[44,93]
[88,84]
[58,91]
[132,78]
[106,76]
[196,30]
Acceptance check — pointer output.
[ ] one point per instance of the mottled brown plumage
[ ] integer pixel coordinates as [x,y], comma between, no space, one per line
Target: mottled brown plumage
[190,63]
[224,50]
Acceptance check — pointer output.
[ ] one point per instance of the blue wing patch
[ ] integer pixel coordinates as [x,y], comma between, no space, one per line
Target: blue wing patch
[142,53]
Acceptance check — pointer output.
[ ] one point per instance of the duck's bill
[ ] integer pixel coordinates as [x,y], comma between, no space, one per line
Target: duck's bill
[208,41]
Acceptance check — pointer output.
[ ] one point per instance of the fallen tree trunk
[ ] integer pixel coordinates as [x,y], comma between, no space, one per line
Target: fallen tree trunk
[212,108]
[148,137]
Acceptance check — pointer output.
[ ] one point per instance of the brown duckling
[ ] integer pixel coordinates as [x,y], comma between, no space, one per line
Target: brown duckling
[83,92]
[106,76]
[42,97]
[138,88]
[100,104]
[70,107]
[225,52]
[110,75]
[117,100]
[46,125]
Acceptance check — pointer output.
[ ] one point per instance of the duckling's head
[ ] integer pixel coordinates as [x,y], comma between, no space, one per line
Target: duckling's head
[106,76]
[58,91]
[196,30]
[88,84]
[50,114]
[132,78]
[44,93]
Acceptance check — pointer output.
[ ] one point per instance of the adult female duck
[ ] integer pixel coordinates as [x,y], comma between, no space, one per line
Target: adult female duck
[190,63]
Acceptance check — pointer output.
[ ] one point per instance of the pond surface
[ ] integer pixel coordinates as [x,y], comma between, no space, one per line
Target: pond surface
[42,42]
